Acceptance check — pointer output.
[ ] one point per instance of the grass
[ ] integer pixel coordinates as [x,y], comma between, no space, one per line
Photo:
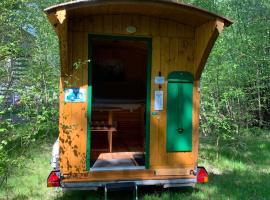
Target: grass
[242,171]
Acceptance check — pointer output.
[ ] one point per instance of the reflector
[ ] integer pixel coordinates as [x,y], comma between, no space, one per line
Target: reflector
[53,179]
[202,175]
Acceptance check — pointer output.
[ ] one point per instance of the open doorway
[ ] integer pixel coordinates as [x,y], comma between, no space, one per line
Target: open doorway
[119,101]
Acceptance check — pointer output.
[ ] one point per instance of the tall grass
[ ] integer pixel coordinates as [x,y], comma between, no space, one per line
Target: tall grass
[242,171]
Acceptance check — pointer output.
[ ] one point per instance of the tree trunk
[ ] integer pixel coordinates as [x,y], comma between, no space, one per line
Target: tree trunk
[259,99]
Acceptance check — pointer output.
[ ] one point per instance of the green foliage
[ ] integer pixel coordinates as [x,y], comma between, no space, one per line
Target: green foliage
[235,84]
[235,98]
[240,174]
[26,35]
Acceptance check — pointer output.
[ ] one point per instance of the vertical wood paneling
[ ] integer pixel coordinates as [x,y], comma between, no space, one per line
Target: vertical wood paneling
[154,27]
[137,21]
[163,27]
[145,25]
[184,31]
[117,24]
[75,107]
[126,21]
[98,22]
[205,37]
[173,49]
[80,134]
[186,51]
[189,59]
[89,24]
[173,54]
[172,29]
[65,132]
[154,120]
[108,24]
[195,118]
[63,111]
[83,136]
[164,59]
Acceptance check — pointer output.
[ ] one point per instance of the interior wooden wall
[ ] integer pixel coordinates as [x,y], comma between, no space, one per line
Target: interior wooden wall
[133,58]
[173,49]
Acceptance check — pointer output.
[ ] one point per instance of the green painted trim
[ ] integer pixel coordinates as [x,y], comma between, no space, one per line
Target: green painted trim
[148,96]
[89,110]
[148,103]
[180,76]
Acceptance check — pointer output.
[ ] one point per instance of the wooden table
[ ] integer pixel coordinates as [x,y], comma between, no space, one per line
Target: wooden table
[110,129]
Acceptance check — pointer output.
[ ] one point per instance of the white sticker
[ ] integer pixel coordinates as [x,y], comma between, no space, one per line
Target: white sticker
[159,80]
[158,100]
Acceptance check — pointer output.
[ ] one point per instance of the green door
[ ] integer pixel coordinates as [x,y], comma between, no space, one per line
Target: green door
[179,112]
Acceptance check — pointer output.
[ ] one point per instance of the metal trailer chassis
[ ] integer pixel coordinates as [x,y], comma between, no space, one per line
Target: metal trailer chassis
[126,185]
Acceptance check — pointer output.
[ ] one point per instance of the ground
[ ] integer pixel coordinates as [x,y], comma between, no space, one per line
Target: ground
[241,170]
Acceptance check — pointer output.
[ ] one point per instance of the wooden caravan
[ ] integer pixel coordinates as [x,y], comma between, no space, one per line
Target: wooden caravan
[129,90]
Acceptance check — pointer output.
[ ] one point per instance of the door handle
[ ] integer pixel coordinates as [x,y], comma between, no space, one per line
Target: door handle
[180,130]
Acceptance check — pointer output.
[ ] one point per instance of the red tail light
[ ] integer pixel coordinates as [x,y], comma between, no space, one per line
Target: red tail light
[54,179]
[202,175]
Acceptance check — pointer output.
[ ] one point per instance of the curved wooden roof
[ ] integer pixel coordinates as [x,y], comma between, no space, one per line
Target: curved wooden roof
[167,9]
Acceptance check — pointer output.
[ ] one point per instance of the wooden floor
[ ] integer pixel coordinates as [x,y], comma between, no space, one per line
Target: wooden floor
[120,159]
[119,144]
[128,137]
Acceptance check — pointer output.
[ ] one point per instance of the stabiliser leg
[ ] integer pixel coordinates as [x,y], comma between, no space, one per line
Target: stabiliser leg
[136,192]
[121,186]
[105,193]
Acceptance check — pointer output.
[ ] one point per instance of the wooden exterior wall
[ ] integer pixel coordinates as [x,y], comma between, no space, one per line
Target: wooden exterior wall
[175,47]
